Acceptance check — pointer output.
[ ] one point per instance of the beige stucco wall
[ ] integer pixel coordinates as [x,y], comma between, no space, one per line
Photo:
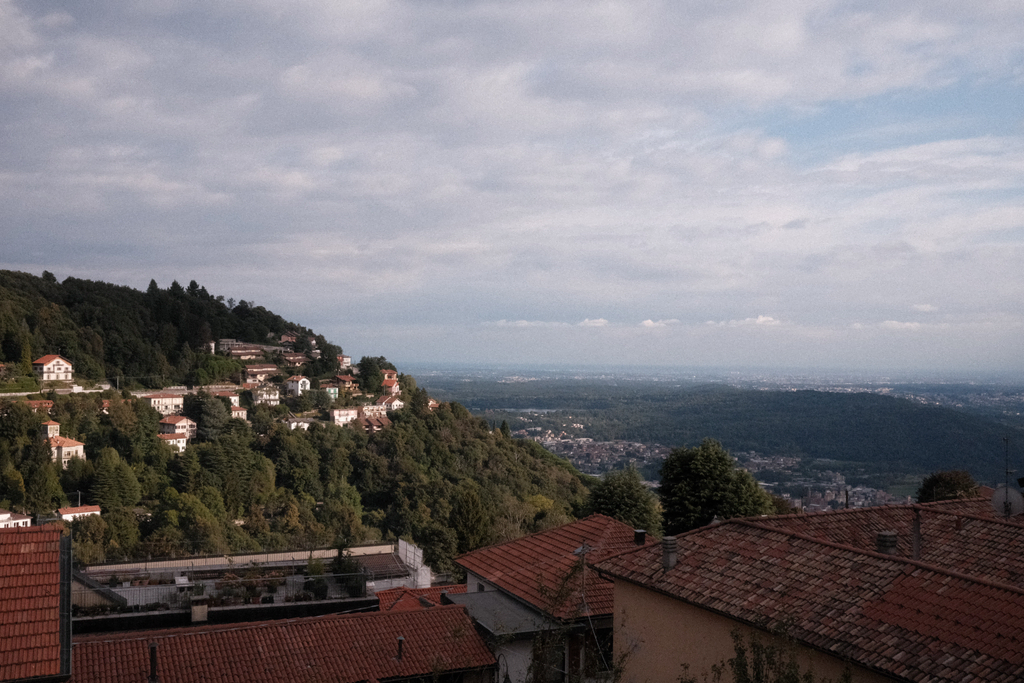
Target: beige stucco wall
[656,635]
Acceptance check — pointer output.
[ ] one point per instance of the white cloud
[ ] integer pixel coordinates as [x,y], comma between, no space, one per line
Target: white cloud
[659,323]
[759,320]
[897,325]
[597,322]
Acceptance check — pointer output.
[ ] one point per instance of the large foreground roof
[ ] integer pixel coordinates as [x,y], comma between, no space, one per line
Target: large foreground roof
[942,618]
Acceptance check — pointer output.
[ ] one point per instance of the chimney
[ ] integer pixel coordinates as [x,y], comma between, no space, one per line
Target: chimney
[885,542]
[639,536]
[401,642]
[668,552]
[153,678]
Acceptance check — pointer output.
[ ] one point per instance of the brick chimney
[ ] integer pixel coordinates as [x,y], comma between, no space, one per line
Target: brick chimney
[885,542]
[668,552]
[153,677]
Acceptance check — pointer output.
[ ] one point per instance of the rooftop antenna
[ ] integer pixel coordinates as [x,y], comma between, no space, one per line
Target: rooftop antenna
[1007,501]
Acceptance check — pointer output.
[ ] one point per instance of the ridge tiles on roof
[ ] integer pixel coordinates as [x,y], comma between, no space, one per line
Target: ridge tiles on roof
[830,594]
[534,568]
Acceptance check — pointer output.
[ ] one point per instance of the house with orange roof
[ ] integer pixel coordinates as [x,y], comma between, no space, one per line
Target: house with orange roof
[548,615]
[895,593]
[62,449]
[390,387]
[43,406]
[179,425]
[239,412]
[397,647]
[372,425]
[53,368]
[35,604]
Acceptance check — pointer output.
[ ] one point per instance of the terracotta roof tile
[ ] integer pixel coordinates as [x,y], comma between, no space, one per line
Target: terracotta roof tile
[898,616]
[29,602]
[408,599]
[340,648]
[533,568]
[964,536]
[46,360]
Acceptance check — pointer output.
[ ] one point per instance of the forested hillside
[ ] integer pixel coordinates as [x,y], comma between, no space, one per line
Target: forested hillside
[441,478]
[436,475]
[150,339]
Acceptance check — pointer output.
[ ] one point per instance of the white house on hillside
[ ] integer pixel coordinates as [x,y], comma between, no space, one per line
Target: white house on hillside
[52,368]
[296,384]
[165,404]
[178,424]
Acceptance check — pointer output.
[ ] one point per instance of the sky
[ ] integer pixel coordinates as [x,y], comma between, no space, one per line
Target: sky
[834,185]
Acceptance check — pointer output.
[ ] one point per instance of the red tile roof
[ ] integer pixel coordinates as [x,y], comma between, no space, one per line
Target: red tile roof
[30,602]
[63,442]
[338,648]
[46,360]
[535,568]
[410,599]
[907,619]
[978,544]
[81,509]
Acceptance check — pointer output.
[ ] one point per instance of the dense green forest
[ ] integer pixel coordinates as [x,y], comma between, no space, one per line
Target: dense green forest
[150,339]
[441,478]
[890,434]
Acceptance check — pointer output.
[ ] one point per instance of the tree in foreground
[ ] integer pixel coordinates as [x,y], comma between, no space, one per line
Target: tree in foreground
[702,483]
[623,496]
[948,485]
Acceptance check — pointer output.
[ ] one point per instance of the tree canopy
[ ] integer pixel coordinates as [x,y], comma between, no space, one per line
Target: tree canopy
[947,485]
[624,496]
[702,483]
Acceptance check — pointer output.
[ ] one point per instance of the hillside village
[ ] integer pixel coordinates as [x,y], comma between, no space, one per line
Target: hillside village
[293,399]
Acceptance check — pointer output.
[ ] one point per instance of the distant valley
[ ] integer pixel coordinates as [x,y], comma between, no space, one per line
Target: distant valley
[800,432]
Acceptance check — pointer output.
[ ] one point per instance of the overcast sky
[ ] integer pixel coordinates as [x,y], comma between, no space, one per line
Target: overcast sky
[758,184]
